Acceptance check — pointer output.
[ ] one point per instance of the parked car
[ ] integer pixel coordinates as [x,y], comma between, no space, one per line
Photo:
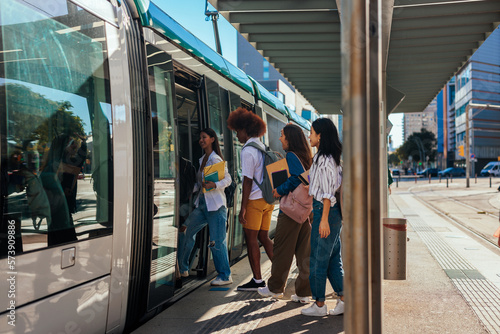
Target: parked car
[492,168]
[452,171]
[429,171]
[395,172]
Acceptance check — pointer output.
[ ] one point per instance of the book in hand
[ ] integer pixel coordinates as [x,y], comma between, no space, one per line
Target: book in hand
[213,177]
[279,177]
[304,177]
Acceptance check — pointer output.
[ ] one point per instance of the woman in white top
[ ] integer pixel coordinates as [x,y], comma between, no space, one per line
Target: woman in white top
[325,179]
[210,209]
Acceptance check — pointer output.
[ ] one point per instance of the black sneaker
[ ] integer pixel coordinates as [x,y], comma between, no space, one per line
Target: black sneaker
[251,286]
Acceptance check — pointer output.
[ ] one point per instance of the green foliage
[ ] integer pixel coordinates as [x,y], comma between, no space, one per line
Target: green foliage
[31,116]
[393,159]
[419,145]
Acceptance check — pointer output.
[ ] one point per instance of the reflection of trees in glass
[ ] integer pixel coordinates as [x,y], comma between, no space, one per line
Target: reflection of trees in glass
[62,121]
[29,120]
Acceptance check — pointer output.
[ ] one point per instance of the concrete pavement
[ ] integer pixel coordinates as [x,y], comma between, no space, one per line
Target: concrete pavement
[452,286]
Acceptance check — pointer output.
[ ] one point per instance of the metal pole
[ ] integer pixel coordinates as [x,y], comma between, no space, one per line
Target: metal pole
[357,161]
[375,112]
[467,126]
[467,153]
[214,16]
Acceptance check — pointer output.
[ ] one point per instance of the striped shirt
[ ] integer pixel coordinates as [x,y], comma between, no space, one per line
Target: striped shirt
[325,178]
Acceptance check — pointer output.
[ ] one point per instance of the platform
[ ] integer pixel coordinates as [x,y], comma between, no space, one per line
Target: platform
[452,286]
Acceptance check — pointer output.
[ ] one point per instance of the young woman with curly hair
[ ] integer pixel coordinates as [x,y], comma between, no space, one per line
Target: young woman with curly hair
[255,213]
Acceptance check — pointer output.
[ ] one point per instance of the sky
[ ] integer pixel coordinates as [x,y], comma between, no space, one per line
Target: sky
[397,129]
[191,15]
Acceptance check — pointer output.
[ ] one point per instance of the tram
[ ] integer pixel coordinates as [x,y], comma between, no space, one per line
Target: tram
[101,105]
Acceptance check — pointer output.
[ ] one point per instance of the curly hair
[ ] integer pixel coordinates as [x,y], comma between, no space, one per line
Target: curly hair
[243,119]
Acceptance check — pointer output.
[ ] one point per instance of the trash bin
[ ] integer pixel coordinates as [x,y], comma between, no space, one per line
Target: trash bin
[394,248]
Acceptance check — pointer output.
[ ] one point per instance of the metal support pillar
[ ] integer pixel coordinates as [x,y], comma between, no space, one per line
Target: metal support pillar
[361,79]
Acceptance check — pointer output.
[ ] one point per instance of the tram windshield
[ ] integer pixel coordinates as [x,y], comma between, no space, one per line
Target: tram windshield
[55,125]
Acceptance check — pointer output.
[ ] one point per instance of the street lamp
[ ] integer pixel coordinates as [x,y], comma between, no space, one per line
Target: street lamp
[421,148]
[481,107]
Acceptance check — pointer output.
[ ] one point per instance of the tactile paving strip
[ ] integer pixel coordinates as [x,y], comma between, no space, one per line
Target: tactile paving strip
[482,295]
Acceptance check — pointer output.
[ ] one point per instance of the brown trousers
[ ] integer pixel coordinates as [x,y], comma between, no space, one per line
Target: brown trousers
[291,239]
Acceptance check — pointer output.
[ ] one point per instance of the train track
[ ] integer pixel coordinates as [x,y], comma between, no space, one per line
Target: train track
[480,219]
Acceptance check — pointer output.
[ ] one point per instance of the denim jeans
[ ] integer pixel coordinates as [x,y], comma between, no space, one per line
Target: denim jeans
[326,259]
[216,221]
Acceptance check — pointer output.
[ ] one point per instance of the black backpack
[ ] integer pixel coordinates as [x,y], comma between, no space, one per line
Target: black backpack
[270,156]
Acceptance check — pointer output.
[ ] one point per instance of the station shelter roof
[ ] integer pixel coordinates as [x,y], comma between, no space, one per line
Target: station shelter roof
[424,43]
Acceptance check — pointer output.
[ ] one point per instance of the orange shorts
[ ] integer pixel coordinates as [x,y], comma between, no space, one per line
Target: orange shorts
[258,215]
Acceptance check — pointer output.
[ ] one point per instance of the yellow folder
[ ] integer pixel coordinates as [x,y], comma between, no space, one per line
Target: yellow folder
[209,172]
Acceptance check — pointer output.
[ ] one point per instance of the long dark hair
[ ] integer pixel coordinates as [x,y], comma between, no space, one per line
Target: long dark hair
[297,143]
[215,145]
[329,143]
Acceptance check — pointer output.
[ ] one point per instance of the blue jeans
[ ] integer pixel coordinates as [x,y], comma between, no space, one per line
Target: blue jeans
[216,221]
[326,259]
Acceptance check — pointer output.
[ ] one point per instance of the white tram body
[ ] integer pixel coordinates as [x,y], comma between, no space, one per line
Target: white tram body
[101,103]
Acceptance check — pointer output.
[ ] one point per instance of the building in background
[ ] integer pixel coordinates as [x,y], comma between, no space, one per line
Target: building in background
[477,81]
[415,122]
[450,144]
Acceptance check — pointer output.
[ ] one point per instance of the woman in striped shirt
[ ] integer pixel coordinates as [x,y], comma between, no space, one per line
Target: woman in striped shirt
[325,180]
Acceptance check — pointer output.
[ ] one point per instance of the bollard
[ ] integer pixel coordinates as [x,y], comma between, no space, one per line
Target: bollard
[475,178]
[439,178]
[490,180]
[451,178]
[447,181]
[395,248]
[429,178]
[397,182]
[415,179]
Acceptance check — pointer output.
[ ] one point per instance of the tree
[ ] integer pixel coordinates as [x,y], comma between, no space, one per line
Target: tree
[419,145]
[393,159]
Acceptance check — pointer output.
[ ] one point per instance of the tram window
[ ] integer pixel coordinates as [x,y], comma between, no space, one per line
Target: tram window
[55,125]
[274,128]
[214,110]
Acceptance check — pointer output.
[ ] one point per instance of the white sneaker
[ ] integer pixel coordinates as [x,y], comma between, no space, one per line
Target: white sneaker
[339,308]
[184,273]
[219,281]
[303,300]
[265,292]
[315,311]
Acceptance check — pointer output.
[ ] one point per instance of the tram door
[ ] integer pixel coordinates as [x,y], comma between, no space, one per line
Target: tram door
[164,232]
[187,89]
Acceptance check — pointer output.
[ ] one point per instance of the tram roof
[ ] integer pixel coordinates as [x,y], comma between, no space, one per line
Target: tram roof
[425,42]
[152,16]
[265,96]
[299,120]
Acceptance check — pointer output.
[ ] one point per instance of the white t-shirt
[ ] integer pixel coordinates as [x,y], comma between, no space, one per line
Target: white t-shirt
[252,162]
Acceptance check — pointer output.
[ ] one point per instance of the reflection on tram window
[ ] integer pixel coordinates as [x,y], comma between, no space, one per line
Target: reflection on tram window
[164,242]
[55,126]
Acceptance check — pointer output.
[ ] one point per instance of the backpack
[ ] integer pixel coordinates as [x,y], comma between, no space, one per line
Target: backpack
[229,192]
[270,156]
